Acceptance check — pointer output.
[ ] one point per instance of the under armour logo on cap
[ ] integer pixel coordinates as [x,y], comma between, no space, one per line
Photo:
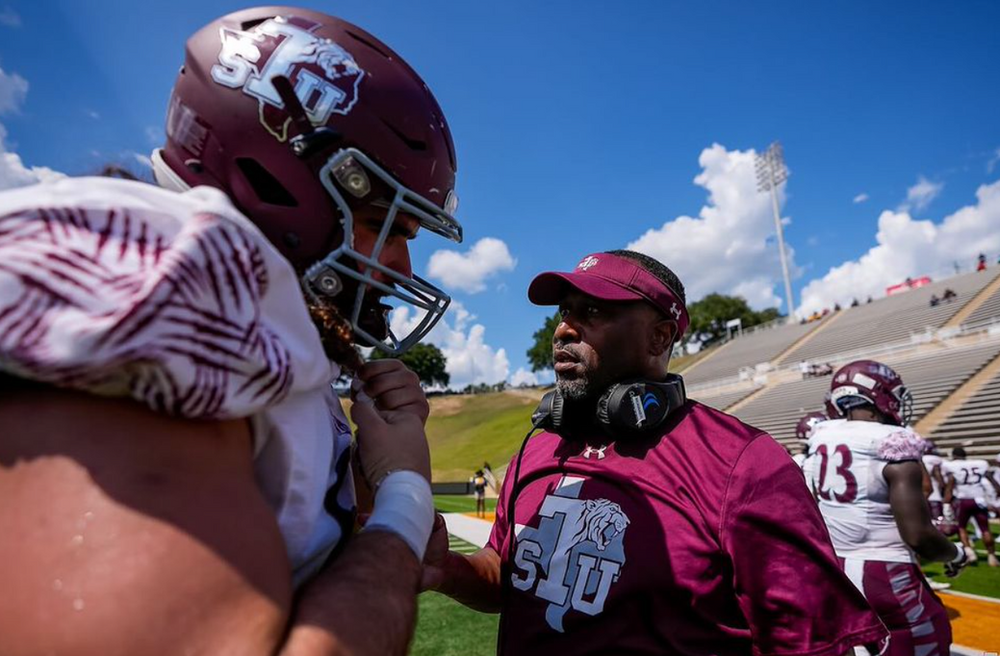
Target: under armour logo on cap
[587,262]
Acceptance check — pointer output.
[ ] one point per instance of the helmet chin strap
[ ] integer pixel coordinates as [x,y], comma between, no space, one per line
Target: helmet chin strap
[164,175]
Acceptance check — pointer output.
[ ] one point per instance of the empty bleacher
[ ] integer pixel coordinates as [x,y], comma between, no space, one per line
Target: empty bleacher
[724,400]
[747,351]
[891,319]
[931,377]
[975,424]
[988,311]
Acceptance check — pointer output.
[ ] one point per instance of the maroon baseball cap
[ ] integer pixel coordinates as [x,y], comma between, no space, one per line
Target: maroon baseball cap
[610,278]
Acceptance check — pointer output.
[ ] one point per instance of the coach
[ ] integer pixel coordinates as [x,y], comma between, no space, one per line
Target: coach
[646,523]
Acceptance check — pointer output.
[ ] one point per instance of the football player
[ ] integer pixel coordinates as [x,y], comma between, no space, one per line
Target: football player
[803,431]
[175,467]
[868,478]
[966,492]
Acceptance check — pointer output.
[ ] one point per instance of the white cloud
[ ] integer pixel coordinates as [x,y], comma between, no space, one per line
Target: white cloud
[991,164]
[523,377]
[13,91]
[94,114]
[910,247]
[144,160]
[470,359]
[13,172]
[468,271]
[9,17]
[860,198]
[920,195]
[725,248]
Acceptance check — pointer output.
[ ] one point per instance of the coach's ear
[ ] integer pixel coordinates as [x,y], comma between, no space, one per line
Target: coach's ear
[662,334]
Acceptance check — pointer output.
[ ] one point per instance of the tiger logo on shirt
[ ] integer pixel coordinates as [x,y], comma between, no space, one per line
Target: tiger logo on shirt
[574,556]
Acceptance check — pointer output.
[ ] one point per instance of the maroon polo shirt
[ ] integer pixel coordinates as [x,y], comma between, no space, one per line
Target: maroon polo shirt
[705,541]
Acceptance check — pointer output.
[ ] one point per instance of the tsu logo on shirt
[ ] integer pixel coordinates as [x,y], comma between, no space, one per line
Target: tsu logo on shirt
[324,75]
[574,556]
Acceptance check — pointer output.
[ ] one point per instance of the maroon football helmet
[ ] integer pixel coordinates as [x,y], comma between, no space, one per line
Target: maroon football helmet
[804,429]
[866,382]
[302,119]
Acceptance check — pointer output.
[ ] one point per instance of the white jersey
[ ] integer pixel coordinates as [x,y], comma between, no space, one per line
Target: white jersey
[970,478]
[800,459]
[932,460]
[845,469]
[179,302]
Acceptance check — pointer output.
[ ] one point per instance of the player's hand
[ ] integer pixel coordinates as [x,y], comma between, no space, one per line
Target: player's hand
[389,440]
[394,387]
[955,567]
[435,557]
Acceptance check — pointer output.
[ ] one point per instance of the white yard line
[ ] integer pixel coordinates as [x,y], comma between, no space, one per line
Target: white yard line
[969,595]
[470,529]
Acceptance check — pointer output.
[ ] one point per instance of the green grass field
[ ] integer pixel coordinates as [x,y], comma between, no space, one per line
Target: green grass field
[447,503]
[447,628]
[466,431]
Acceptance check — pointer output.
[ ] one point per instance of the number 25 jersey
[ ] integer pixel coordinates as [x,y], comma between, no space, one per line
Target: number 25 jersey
[846,459]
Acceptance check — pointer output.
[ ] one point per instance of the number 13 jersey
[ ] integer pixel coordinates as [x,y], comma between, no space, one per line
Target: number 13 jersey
[846,459]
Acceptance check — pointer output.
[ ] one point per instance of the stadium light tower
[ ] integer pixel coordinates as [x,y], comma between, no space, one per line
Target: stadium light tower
[771,172]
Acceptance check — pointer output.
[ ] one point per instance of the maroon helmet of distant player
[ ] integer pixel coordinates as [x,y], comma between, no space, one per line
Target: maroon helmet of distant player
[866,382]
[804,429]
[303,120]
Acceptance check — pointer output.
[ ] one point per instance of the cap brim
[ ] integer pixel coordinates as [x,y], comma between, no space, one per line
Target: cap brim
[551,287]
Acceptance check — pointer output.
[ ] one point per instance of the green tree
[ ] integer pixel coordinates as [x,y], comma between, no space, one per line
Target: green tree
[425,360]
[710,314]
[540,353]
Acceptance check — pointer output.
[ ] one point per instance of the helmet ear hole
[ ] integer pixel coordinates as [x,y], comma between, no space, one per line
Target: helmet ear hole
[265,185]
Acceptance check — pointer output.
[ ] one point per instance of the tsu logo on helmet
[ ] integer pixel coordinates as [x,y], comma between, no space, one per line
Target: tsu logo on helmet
[325,76]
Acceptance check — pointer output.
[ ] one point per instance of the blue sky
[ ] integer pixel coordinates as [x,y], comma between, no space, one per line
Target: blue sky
[582,126]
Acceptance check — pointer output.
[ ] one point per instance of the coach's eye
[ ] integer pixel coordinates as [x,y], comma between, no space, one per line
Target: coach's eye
[593,310]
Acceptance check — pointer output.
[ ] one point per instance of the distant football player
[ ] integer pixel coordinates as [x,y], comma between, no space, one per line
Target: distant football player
[641,522]
[966,491]
[175,468]
[934,486]
[803,431]
[869,481]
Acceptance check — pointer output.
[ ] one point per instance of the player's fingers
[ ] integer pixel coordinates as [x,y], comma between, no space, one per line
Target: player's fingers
[402,399]
[374,368]
[392,380]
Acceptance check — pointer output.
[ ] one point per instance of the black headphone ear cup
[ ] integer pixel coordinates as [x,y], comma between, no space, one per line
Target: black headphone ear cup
[557,410]
[603,413]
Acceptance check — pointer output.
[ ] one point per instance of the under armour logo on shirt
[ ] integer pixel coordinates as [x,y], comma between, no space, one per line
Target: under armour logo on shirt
[600,452]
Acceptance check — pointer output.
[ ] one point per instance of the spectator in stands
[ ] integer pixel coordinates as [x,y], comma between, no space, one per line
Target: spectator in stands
[981,265]
[836,307]
[805,369]
[949,295]
[869,300]
[665,534]
[935,301]
[854,302]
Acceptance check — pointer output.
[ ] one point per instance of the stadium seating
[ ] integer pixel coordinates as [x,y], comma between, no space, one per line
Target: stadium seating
[975,424]
[747,351]
[931,377]
[724,400]
[891,319]
[986,313]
